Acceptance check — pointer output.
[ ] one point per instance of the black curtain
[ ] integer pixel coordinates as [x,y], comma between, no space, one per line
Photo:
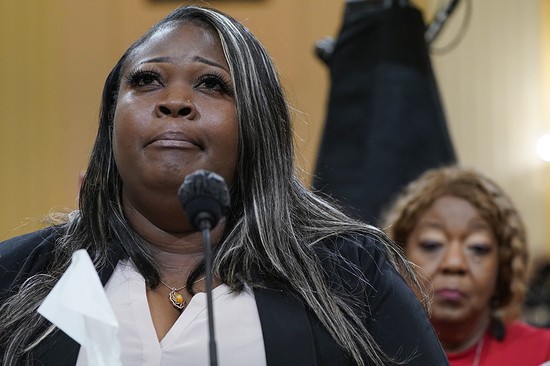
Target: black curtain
[385,122]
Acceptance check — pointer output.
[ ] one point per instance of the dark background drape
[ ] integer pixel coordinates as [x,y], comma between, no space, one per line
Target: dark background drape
[385,122]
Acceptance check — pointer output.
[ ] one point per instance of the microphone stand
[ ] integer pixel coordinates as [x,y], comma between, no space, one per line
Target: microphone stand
[204,197]
[205,227]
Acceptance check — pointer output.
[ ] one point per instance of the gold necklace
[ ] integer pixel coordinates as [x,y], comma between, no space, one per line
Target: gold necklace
[175,297]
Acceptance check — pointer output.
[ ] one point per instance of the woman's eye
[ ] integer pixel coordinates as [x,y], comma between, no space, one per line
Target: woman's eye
[213,82]
[430,245]
[141,78]
[480,249]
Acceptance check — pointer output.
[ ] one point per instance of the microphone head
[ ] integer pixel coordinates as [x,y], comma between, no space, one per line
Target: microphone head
[204,197]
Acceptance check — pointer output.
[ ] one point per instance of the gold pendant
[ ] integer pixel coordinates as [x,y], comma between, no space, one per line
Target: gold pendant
[177,300]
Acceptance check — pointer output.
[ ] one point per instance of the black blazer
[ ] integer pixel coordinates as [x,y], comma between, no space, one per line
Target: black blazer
[292,333]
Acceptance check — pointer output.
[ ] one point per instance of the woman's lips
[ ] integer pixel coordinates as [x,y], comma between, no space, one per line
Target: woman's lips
[172,139]
[172,143]
[450,294]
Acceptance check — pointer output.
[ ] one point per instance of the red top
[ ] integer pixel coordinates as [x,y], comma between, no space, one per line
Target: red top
[523,345]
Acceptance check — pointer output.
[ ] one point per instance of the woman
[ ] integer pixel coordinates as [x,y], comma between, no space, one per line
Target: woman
[469,244]
[296,282]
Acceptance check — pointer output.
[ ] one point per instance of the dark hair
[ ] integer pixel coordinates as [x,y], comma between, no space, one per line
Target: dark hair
[274,225]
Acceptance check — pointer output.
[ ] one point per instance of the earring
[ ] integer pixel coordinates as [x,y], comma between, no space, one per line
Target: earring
[497,328]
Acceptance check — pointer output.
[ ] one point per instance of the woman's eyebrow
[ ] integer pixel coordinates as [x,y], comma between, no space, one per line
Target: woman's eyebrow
[166,59]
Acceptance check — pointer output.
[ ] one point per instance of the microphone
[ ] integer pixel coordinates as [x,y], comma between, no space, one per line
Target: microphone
[205,198]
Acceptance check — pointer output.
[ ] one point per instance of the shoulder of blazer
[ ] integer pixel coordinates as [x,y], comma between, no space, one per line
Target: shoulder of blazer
[348,258]
[24,256]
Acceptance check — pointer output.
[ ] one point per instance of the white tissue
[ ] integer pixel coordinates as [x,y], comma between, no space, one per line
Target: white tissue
[78,305]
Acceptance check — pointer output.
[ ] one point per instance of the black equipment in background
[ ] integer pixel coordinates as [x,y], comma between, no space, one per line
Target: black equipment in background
[385,123]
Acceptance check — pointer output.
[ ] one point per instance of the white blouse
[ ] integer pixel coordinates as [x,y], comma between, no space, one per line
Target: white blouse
[237,326]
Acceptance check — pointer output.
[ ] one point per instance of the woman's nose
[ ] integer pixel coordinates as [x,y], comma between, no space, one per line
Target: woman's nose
[175,105]
[455,260]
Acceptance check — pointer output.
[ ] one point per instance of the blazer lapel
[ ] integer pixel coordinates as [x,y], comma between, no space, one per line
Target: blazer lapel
[288,338]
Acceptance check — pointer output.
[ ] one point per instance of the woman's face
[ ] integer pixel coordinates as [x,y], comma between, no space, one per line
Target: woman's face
[175,114]
[456,249]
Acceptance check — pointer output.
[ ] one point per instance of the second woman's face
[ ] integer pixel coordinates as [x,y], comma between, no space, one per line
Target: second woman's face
[175,113]
[456,249]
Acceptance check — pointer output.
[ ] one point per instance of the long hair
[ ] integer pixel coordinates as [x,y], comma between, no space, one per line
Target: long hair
[492,204]
[274,226]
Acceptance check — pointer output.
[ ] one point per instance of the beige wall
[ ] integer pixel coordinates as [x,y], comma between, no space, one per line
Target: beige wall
[492,89]
[545,101]
[55,55]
